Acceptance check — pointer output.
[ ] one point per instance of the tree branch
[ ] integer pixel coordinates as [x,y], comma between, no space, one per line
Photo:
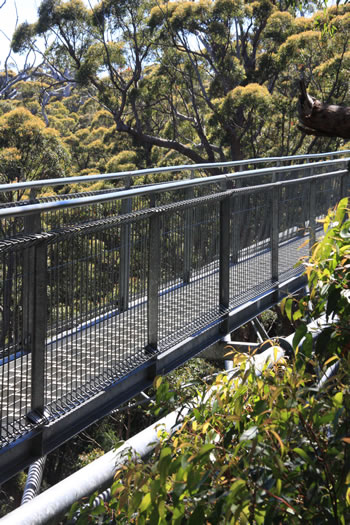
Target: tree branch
[322,120]
[162,143]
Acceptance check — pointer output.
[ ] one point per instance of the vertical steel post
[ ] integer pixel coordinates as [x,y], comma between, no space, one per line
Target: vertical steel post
[344,183]
[125,241]
[188,238]
[275,208]
[275,175]
[236,222]
[32,224]
[153,282]
[224,269]
[312,215]
[35,315]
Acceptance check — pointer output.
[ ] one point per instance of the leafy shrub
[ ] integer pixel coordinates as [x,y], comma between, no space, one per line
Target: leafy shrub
[258,450]
[328,271]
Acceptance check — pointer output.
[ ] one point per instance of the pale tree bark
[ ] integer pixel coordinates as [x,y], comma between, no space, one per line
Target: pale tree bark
[322,120]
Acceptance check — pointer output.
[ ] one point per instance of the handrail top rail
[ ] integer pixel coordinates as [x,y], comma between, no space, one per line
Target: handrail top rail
[29,209]
[191,167]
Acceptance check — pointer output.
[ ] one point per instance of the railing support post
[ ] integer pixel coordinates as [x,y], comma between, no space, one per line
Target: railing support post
[153,283]
[236,223]
[312,215]
[224,270]
[275,205]
[344,183]
[35,316]
[188,239]
[125,241]
[276,175]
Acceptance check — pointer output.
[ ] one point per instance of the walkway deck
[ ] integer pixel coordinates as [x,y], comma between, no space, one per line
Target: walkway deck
[75,365]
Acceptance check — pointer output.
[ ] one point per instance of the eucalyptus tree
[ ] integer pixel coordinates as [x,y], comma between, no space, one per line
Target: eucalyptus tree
[29,150]
[207,80]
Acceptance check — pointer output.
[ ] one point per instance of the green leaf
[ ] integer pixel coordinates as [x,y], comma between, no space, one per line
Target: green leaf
[303,455]
[146,502]
[297,315]
[163,467]
[341,210]
[236,487]
[166,451]
[338,399]
[157,381]
[278,486]
[205,449]
[249,433]
[288,307]
[193,479]
[348,496]
[283,304]
[299,334]
[307,345]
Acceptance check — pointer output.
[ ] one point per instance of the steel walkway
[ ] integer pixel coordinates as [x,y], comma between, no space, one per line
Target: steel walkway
[153,275]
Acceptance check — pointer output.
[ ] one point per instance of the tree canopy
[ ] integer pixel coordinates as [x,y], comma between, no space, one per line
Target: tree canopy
[28,149]
[206,80]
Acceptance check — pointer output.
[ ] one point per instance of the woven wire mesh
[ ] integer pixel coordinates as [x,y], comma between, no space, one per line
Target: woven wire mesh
[294,206]
[11,227]
[328,195]
[250,270]
[15,364]
[189,293]
[98,276]
[91,340]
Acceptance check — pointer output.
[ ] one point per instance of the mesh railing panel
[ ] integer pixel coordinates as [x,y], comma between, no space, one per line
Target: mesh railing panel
[96,262]
[92,340]
[15,364]
[250,272]
[191,300]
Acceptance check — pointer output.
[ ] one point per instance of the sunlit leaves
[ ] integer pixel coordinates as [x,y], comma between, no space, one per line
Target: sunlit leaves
[21,37]
[328,273]
[166,71]
[36,151]
[276,460]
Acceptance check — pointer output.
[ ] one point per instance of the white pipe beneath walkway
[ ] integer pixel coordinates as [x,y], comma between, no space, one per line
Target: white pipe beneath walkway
[59,498]
[99,474]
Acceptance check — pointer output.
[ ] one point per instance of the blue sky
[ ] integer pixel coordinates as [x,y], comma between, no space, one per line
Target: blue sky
[27,11]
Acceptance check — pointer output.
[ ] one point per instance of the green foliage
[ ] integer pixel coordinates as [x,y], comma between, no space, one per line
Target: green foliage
[21,37]
[124,161]
[29,150]
[258,450]
[205,80]
[328,271]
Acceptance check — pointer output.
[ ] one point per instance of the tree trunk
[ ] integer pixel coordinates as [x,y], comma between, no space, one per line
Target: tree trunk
[322,120]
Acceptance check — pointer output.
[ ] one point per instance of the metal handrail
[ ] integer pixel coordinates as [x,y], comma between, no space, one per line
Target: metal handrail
[167,169]
[28,209]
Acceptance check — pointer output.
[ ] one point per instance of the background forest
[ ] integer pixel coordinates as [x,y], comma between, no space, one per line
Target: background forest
[128,85]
